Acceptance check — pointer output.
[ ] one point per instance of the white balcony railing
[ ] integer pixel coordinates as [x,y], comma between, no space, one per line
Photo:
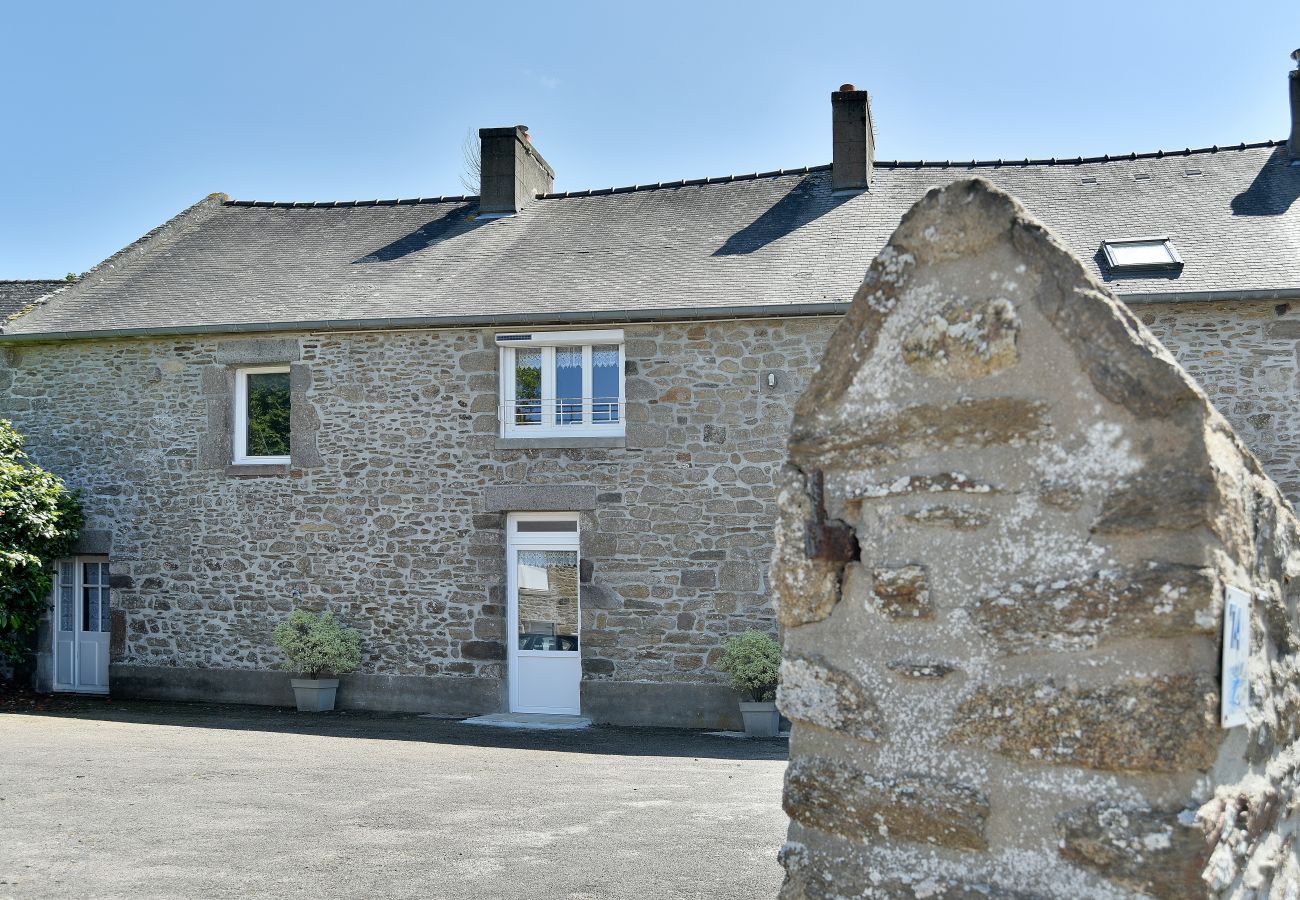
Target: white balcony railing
[563,414]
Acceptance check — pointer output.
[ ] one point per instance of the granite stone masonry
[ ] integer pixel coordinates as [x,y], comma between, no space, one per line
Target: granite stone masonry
[1019,696]
[391,513]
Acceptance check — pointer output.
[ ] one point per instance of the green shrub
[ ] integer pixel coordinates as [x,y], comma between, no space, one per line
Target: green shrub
[318,646]
[753,660]
[39,523]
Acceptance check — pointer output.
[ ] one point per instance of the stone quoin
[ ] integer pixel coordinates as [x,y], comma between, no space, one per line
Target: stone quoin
[1027,706]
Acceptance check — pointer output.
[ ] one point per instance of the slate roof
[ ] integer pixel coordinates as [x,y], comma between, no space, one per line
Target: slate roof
[16,295]
[777,241]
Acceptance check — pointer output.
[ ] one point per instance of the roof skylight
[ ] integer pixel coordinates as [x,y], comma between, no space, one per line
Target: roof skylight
[1141,254]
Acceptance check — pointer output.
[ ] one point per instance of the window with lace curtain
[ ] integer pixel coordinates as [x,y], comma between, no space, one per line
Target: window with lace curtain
[562,383]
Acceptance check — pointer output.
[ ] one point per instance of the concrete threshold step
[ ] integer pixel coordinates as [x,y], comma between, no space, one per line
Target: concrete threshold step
[539,721]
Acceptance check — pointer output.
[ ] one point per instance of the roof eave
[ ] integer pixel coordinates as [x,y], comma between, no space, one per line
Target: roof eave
[512,320]
[579,317]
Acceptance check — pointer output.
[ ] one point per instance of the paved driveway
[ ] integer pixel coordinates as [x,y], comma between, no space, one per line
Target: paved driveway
[179,800]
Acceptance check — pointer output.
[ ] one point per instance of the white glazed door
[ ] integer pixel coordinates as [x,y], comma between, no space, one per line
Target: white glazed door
[81,626]
[544,657]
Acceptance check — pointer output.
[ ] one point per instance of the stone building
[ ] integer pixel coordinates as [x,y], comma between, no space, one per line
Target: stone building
[405,410]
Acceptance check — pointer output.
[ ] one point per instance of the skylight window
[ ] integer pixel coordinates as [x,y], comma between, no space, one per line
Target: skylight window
[1142,255]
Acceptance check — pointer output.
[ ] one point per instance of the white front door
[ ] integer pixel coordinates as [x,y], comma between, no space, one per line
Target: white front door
[81,625]
[544,614]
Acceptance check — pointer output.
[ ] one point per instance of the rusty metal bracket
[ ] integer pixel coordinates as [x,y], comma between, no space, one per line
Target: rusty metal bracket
[826,539]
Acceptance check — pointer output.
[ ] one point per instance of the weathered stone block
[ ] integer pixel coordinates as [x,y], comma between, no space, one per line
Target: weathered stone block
[902,592]
[914,430]
[538,497]
[1161,724]
[964,340]
[646,437]
[805,590]
[258,351]
[740,576]
[948,517]
[699,578]
[942,482]
[1152,600]
[1159,853]
[483,650]
[592,666]
[814,692]
[1173,499]
[835,796]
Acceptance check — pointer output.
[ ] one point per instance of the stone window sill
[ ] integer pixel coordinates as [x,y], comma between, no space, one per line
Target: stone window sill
[256,470]
[573,442]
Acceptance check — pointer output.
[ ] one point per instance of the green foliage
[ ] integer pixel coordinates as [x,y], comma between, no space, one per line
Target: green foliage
[318,646]
[753,660]
[39,523]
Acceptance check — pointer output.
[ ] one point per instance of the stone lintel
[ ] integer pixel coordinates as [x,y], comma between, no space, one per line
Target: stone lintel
[539,497]
[94,542]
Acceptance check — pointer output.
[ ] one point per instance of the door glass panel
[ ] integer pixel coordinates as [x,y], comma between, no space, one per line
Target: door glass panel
[89,608]
[534,526]
[568,385]
[528,387]
[94,590]
[604,384]
[548,599]
[67,596]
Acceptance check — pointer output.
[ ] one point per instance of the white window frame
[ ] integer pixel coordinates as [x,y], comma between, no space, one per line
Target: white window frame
[547,342]
[1174,264]
[241,457]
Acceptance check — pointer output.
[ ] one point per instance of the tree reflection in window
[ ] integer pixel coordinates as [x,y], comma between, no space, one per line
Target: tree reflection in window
[268,414]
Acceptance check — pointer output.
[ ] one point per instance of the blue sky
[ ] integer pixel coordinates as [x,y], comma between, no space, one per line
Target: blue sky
[118,115]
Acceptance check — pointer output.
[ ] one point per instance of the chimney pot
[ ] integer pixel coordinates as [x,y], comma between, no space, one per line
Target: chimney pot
[852,142]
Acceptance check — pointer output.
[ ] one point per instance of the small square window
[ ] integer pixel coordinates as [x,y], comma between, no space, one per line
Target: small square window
[555,384]
[1141,254]
[262,408]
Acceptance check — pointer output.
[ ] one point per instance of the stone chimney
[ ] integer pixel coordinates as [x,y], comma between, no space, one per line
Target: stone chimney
[512,173]
[1293,145]
[854,146]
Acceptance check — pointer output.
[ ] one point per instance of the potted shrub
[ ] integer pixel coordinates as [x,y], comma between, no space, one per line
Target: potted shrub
[317,646]
[753,660]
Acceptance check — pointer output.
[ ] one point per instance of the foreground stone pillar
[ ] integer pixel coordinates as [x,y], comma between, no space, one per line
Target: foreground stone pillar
[1005,537]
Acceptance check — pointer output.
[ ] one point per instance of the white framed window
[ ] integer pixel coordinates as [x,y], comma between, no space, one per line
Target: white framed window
[561,383]
[262,411]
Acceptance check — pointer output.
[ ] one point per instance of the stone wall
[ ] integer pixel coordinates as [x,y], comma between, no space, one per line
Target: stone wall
[1004,541]
[390,514]
[1246,356]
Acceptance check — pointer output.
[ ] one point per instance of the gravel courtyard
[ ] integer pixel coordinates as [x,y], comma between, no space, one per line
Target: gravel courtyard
[179,800]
